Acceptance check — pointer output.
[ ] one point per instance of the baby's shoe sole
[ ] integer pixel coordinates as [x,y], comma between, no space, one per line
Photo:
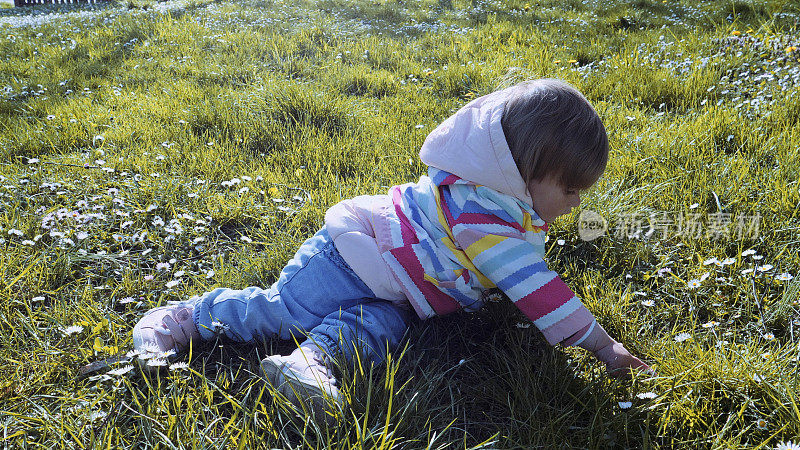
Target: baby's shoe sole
[299,390]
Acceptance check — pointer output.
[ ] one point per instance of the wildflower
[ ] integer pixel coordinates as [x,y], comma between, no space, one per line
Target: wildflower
[711,261]
[746,271]
[148,278]
[768,336]
[157,362]
[561,242]
[15,232]
[648,303]
[121,371]
[644,395]
[788,445]
[127,300]
[132,354]
[81,235]
[246,239]
[179,366]
[748,252]
[761,424]
[765,267]
[784,277]
[624,405]
[682,337]
[163,266]
[693,284]
[72,329]
[664,270]
[173,283]
[28,242]
[710,324]
[728,261]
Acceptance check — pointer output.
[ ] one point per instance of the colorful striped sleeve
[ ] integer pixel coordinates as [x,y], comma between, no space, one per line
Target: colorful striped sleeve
[508,250]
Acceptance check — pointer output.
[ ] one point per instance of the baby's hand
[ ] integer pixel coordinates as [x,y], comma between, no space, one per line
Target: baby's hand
[619,361]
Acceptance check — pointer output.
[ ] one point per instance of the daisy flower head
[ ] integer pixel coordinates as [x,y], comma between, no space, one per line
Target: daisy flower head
[121,371]
[648,395]
[179,366]
[648,303]
[682,337]
[710,324]
[693,284]
[788,445]
[72,329]
[728,261]
[784,277]
[712,261]
[748,252]
[761,424]
[157,362]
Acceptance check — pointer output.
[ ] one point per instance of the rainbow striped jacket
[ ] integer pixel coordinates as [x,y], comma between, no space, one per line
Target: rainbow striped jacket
[454,239]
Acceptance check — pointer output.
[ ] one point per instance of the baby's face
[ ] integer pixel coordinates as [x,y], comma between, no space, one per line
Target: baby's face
[551,200]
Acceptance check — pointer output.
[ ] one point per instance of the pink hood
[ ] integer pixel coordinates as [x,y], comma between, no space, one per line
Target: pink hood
[471,145]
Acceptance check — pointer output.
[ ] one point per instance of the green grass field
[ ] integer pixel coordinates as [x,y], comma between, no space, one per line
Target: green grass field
[153,151]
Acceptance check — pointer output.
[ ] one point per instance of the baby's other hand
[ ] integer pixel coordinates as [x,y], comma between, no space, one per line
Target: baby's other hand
[619,361]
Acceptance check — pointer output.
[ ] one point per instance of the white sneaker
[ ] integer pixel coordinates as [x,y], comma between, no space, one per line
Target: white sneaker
[165,331]
[305,378]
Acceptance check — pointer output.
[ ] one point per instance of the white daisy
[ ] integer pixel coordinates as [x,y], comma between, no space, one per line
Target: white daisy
[682,337]
[179,366]
[157,362]
[784,277]
[765,267]
[693,284]
[711,261]
[72,329]
[648,303]
[121,371]
[710,324]
[748,252]
[644,395]
[728,261]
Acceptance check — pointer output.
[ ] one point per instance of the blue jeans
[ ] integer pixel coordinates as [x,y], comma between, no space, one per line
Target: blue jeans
[317,298]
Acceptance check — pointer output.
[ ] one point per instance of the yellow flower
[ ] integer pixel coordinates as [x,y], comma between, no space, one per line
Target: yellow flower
[791,49]
[736,33]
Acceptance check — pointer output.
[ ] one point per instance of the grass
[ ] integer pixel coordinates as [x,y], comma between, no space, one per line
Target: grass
[225,130]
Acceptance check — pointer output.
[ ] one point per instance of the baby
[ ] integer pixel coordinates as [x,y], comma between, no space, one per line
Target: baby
[499,170]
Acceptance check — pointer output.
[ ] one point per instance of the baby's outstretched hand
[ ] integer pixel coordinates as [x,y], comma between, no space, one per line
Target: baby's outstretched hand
[619,361]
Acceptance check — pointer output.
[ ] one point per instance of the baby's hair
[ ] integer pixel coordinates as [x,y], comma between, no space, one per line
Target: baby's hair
[552,130]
